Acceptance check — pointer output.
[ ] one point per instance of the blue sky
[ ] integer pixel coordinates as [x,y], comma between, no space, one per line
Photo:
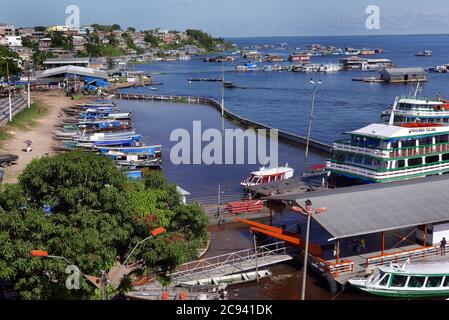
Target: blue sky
[241,18]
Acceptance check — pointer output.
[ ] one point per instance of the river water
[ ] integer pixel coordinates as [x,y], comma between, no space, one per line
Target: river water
[281,100]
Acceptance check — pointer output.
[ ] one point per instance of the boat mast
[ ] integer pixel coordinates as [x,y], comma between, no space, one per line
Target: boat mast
[395,105]
[309,132]
[417,89]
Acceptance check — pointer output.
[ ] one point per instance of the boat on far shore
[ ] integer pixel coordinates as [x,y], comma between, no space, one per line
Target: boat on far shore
[425,53]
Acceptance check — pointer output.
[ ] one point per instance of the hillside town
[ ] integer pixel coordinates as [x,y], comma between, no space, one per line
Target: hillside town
[105,45]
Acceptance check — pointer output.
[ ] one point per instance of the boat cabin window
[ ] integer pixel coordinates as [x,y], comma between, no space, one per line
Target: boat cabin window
[433,282]
[385,280]
[433,159]
[446,157]
[415,162]
[399,281]
[401,163]
[416,282]
[446,282]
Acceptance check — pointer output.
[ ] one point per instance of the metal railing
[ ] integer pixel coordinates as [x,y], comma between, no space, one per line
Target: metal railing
[389,173]
[401,256]
[419,151]
[333,268]
[204,268]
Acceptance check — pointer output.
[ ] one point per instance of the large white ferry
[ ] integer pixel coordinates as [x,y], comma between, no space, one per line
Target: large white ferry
[383,153]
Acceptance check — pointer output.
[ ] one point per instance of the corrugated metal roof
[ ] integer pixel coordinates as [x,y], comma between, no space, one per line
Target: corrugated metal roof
[66,60]
[81,71]
[374,208]
[402,71]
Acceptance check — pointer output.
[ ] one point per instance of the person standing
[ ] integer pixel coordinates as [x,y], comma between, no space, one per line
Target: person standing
[362,244]
[443,246]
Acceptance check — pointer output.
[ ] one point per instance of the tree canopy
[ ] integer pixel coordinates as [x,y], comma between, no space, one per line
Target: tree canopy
[97,217]
[12,59]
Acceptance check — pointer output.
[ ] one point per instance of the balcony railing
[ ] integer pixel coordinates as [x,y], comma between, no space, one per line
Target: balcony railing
[412,151]
[389,174]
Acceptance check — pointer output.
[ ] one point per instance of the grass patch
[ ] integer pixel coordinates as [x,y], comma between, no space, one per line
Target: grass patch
[4,137]
[28,118]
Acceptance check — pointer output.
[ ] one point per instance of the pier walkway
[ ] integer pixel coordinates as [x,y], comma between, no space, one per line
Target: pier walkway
[219,266]
[283,135]
[235,262]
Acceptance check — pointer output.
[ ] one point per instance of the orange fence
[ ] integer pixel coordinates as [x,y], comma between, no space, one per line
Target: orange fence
[333,268]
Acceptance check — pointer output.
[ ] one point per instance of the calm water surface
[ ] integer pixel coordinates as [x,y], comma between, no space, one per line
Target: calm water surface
[281,100]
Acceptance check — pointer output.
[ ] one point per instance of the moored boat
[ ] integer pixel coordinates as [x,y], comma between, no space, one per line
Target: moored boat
[415,280]
[264,176]
[383,153]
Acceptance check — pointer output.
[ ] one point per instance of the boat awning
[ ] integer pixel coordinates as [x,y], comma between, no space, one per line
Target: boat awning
[374,208]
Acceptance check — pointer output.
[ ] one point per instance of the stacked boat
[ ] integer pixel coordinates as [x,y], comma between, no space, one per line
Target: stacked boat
[101,127]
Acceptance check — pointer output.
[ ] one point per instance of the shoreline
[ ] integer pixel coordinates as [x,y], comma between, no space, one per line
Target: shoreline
[41,134]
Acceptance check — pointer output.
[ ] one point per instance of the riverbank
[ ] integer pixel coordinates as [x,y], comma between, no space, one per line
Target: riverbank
[39,130]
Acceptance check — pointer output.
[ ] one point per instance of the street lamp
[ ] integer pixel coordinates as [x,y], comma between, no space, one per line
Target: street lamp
[9,86]
[44,254]
[309,212]
[315,85]
[104,280]
[153,234]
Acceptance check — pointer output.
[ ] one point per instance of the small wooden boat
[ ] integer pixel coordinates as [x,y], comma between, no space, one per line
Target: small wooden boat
[264,176]
[415,280]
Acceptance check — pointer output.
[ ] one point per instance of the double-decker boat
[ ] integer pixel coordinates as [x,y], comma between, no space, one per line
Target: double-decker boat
[417,109]
[383,153]
[264,176]
[408,280]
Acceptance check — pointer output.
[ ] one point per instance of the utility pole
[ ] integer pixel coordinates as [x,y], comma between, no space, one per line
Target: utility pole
[29,86]
[104,285]
[310,122]
[306,253]
[222,88]
[257,264]
[9,91]
[309,212]
[219,201]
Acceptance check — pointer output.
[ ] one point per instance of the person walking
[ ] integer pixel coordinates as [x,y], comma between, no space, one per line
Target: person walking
[443,246]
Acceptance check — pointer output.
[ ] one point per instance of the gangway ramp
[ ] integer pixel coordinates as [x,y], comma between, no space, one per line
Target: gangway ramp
[235,262]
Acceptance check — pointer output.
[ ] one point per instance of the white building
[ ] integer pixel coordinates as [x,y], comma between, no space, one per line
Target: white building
[14,41]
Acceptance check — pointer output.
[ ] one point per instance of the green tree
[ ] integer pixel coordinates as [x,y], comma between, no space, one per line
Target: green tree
[131,29]
[11,62]
[112,40]
[98,217]
[40,28]
[151,39]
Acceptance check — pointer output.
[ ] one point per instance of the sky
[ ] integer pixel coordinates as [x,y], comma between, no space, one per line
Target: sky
[241,18]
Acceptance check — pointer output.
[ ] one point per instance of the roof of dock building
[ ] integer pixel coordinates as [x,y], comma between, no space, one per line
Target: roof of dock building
[380,207]
[67,60]
[79,71]
[404,71]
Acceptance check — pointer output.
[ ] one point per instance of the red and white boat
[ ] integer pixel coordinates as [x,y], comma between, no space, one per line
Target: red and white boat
[264,176]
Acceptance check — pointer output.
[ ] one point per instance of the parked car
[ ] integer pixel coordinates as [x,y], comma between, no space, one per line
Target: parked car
[8,159]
